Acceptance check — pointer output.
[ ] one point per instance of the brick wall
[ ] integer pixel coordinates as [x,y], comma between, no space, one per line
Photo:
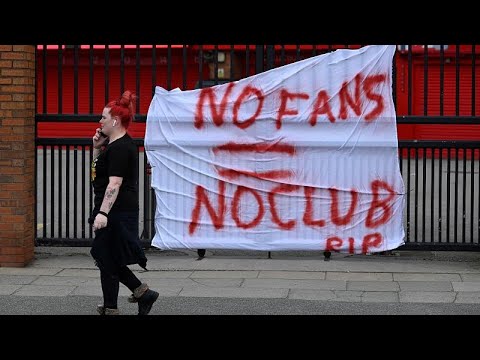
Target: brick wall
[17,157]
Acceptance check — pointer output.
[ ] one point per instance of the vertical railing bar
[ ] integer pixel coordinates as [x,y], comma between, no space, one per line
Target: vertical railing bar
[90,192]
[60,79]
[139,176]
[122,69]
[432,196]
[154,68]
[425,80]
[146,192]
[35,160]
[457,80]
[44,79]
[44,173]
[298,53]
[409,188]
[137,79]
[442,78]
[259,58]
[472,191]
[67,192]
[449,160]
[90,85]
[215,64]
[440,191]
[400,159]
[410,79]
[169,67]
[106,72]
[83,193]
[60,208]
[282,55]
[270,58]
[456,197]
[473,79]
[184,67]
[464,195]
[200,66]
[75,190]
[394,79]
[247,61]
[232,63]
[75,79]
[416,195]
[424,193]
[52,191]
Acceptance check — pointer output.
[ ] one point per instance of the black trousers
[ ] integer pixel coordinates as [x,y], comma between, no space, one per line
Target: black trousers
[113,249]
[111,282]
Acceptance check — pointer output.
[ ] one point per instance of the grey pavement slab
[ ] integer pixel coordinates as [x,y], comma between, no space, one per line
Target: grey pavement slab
[17,279]
[425,286]
[295,284]
[45,290]
[9,289]
[294,275]
[306,294]
[222,282]
[159,282]
[468,297]
[88,290]
[427,277]
[359,276]
[93,273]
[65,262]
[372,285]
[66,280]
[380,297]
[181,274]
[224,274]
[427,297]
[470,277]
[466,286]
[347,296]
[234,292]
[29,270]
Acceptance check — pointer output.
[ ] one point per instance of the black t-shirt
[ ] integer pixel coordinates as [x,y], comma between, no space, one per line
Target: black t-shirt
[120,158]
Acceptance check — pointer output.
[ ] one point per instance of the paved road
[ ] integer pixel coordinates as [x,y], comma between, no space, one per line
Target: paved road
[83,305]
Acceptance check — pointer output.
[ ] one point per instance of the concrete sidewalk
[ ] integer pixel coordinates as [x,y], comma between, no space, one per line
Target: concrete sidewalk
[404,277]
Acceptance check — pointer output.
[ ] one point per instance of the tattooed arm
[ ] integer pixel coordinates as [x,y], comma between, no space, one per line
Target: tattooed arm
[108,200]
[111,193]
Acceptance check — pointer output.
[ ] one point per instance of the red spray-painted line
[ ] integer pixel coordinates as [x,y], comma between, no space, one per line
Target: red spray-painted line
[259,147]
[266,175]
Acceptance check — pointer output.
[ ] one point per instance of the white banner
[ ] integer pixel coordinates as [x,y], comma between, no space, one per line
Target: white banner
[301,157]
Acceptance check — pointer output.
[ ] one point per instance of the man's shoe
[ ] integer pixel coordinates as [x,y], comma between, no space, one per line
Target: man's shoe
[146,301]
[107,311]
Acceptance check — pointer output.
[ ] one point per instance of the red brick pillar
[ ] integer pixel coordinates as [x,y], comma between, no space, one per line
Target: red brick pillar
[17,157]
